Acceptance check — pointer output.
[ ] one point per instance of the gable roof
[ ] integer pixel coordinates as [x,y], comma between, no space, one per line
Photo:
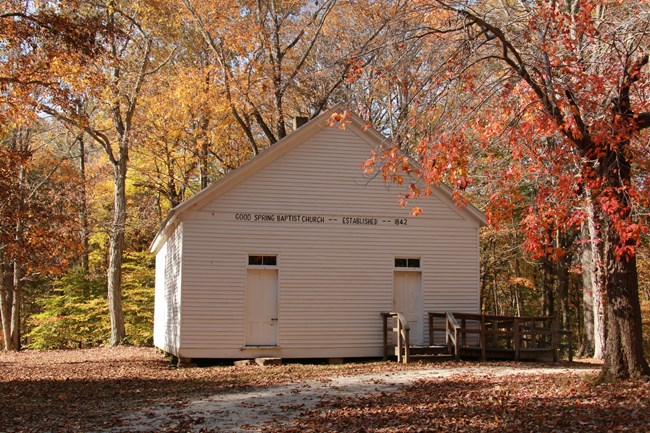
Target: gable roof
[372,136]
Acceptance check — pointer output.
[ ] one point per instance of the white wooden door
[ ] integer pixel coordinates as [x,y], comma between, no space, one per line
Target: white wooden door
[407,299]
[262,307]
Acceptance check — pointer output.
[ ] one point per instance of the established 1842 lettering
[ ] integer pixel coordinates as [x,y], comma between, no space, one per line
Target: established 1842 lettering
[361,221]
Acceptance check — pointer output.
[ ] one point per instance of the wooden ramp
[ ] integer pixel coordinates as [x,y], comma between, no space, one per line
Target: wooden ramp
[478,336]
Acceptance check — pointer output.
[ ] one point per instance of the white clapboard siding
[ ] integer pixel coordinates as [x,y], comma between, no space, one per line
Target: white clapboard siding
[334,279]
[325,173]
[168,293]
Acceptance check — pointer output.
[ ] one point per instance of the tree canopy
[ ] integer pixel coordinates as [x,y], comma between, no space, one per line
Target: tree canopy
[113,112]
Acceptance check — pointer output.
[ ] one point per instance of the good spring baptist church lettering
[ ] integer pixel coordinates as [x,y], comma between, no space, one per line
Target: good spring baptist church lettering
[318,219]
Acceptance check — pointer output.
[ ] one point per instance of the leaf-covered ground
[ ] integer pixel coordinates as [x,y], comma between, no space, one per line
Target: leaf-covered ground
[519,403]
[89,390]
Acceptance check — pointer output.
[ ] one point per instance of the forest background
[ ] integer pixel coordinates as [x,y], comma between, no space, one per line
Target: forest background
[113,112]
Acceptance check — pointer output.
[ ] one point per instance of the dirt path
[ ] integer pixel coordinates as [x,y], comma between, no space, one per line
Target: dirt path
[250,411]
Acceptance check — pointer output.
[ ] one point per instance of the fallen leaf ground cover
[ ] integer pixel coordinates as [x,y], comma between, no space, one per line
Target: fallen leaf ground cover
[516,403]
[90,390]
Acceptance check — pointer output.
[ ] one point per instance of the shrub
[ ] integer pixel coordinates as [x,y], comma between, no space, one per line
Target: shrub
[75,314]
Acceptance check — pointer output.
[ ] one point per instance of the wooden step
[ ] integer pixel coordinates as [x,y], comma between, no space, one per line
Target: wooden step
[426,350]
[439,357]
[429,350]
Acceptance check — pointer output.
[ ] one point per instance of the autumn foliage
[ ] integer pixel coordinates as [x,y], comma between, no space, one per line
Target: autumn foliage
[535,111]
[549,105]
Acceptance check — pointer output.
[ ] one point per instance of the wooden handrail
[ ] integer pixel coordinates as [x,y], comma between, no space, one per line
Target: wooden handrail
[490,317]
[495,332]
[402,330]
[452,335]
[524,337]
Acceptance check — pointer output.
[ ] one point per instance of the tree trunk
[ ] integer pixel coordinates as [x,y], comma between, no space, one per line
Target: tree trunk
[83,205]
[6,300]
[600,320]
[16,304]
[624,347]
[586,258]
[518,296]
[598,282]
[203,163]
[547,287]
[204,145]
[116,251]
[484,292]
[281,130]
[565,242]
[495,289]
[17,265]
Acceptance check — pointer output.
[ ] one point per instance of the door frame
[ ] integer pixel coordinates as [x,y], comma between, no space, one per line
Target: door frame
[419,339]
[275,268]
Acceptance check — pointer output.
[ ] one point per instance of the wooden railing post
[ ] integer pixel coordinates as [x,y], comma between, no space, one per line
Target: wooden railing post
[399,339]
[463,332]
[452,328]
[555,338]
[447,335]
[430,329]
[406,344]
[516,337]
[402,332]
